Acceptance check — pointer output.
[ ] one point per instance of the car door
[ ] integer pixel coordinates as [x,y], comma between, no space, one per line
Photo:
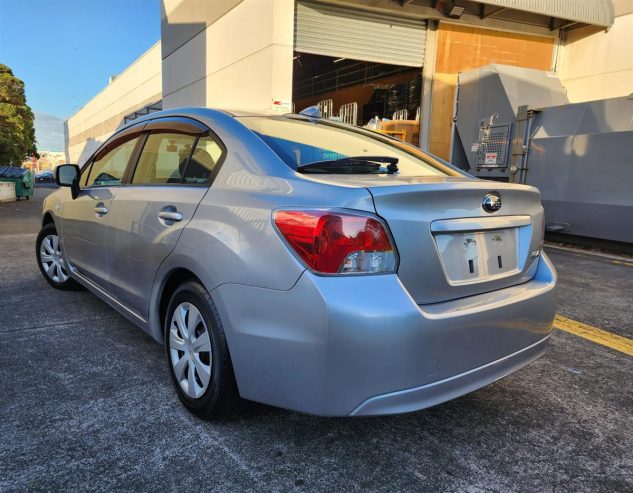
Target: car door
[84,219]
[171,177]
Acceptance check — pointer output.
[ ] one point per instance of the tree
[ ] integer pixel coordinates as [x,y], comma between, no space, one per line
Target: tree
[17,135]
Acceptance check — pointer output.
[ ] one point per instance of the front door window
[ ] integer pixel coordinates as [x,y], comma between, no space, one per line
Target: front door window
[108,169]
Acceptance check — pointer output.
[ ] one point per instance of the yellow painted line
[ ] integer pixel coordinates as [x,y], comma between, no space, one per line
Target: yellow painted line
[619,262]
[599,336]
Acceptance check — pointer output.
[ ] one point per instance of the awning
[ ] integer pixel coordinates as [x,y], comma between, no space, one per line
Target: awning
[595,12]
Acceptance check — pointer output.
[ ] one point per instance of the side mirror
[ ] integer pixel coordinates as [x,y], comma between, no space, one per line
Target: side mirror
[67,175]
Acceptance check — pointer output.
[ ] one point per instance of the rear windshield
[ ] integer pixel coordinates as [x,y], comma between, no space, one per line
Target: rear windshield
[299,141]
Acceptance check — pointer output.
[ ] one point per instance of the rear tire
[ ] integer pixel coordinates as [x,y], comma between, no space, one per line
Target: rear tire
[50,259]
[198,355]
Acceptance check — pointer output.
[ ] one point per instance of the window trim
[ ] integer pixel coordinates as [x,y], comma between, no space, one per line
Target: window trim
[176,124]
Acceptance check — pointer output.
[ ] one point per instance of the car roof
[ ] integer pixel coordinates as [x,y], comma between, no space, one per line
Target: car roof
[193,111]
[240,113]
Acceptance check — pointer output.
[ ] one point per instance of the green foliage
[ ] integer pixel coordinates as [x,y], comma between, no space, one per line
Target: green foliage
[17,135]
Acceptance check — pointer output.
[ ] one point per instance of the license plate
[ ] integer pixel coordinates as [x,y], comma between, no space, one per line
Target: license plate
[478,256]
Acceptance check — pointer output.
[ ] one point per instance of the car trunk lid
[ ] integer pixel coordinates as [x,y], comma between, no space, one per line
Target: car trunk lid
[449,247]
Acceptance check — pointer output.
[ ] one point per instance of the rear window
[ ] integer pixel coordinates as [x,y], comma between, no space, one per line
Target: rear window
[299,141]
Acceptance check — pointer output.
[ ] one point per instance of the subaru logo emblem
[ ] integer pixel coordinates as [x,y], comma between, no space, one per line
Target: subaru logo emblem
[491,202]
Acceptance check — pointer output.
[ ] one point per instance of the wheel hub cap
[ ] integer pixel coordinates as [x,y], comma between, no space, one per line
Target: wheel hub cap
[52,260]
[190,350]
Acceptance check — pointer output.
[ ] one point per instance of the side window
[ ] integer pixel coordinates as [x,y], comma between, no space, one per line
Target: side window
[163,158]
[108,169]
[204,159]
[85,172]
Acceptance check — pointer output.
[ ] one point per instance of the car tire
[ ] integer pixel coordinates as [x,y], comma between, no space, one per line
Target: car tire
[50,260]
[194,343]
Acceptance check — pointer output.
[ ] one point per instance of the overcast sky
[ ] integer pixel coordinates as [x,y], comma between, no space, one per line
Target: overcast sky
[65,50]
[49,131]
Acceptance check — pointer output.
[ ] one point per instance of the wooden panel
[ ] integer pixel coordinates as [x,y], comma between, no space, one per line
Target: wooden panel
[462,48]
[410,130]
[442,103]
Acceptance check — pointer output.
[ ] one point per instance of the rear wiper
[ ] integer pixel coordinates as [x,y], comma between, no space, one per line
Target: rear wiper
[351,164]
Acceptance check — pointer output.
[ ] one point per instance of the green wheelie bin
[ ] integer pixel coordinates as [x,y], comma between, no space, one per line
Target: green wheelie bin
[22,178]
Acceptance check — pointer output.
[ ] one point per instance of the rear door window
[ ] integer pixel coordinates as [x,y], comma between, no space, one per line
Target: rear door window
[204,160]
[163,159]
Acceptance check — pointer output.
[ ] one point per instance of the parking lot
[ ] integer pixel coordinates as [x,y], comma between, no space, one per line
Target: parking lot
[86,404]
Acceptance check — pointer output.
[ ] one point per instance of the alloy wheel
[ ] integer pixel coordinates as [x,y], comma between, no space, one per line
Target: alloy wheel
[52,259]
[190,350]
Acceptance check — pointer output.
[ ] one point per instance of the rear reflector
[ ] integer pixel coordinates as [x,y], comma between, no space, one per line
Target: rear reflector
[331,242]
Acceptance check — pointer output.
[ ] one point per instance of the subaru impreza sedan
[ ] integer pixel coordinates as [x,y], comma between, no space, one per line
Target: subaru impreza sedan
[303,263]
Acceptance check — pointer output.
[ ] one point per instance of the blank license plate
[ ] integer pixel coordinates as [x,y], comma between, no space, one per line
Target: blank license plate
[478,256]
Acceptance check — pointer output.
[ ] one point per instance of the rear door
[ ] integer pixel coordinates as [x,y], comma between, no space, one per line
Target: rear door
[172,175]
[85,219]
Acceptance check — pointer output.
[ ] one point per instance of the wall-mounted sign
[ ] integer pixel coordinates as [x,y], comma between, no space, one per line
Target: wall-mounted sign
[282,106]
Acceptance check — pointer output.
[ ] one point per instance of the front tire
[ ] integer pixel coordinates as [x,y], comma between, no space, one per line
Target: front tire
[198,355]
[50,259]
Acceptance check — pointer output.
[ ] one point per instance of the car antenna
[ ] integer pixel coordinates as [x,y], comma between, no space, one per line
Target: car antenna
[311,112]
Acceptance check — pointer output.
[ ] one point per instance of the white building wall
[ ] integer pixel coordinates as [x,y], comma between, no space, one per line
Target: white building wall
[237,54]
[599,65]
[242,59]
[138,85]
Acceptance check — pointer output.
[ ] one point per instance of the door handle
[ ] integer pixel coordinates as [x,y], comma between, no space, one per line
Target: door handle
[170,215]
[101,210]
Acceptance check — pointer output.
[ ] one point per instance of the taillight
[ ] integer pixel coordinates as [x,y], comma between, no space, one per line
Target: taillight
[332,242]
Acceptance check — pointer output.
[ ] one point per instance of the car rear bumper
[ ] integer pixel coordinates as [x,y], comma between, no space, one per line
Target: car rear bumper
[360,345]
[435,393]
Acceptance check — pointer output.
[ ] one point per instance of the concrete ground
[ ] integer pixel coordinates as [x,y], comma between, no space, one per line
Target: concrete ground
[86,404]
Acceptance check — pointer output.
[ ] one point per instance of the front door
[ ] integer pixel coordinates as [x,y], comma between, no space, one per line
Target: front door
[85,219]
[149,214]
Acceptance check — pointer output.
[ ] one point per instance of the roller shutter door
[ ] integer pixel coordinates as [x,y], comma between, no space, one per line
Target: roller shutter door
[343,32]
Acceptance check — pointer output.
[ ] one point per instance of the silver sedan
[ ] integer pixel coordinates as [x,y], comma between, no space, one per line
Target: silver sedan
[303,263]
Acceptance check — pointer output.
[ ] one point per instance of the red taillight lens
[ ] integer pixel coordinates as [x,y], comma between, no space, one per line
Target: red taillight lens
[331,242]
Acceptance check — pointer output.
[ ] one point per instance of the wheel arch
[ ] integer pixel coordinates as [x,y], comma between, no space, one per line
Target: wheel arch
[170,283]
[48,218]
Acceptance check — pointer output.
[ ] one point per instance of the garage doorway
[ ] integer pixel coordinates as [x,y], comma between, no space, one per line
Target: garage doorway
[358,65]
[355,91]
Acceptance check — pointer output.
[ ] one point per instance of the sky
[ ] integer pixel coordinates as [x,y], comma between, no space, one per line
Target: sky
[65,50]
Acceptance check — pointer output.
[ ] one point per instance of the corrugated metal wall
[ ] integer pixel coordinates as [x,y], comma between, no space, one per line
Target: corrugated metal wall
[345,33]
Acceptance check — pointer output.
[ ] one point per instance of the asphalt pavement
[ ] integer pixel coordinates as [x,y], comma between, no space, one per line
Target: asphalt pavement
[86,404]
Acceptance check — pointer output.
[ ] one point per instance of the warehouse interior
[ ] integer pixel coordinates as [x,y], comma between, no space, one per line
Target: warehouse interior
[355,91]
